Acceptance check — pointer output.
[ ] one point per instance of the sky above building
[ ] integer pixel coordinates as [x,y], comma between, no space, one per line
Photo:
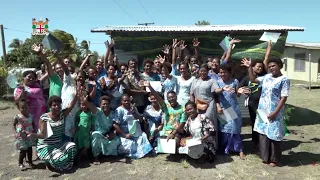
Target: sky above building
[79,17]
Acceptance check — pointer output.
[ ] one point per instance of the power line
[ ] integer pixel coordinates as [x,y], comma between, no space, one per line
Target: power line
[125,11]
[145,10]
[17,30]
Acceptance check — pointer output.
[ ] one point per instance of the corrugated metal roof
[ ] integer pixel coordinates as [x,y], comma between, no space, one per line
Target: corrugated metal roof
[304,45]
[221,28]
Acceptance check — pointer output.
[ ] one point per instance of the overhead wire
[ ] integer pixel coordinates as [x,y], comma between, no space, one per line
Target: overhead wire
[125,11]
[145,10]
[31,33]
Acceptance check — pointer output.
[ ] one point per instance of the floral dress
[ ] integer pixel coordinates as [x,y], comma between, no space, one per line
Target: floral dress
[136,147]
[230,139]
[36,101]
[24,125]
[199,127]
[272,91]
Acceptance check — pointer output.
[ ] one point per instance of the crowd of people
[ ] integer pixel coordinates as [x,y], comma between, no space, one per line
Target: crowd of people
[67,112]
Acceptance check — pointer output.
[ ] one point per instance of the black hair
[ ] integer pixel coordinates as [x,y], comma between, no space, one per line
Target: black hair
[115,67]
[277,61]
[204,66]
[83,73]
[171,92]
[190,103]
[166,65]
[91,67]
[183,63]
[20,100]
[134,60]
[226,67]
[53,99]
[26,73]
[123,64]
[255,62]
[105,98]
[147,61]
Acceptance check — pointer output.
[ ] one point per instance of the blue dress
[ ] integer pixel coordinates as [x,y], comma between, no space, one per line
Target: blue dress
[230,139]
[154,119]
[103,125]
[136,147]
[272,91]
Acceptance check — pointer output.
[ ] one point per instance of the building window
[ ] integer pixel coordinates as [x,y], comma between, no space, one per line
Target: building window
[300,62]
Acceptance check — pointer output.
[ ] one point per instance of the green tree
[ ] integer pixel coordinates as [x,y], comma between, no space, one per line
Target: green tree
[203,22]
[15,43]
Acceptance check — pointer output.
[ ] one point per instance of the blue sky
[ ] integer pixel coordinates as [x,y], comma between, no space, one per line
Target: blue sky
[79,17]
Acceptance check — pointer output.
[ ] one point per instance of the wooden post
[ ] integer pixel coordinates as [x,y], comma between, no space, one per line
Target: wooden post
[3,45]
[309,72]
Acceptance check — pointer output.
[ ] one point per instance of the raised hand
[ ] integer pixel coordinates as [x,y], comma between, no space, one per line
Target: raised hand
[246,62]
[233,41]
[195,42]
[37,48]
[175,43]
[182,46]
[161,59]
[166,49]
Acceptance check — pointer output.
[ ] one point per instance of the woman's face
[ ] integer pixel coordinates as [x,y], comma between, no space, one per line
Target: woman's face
[92,74]
[99,66]
[105,105]
[190,110]
[187,59]
[147,68]
[153,100]
[225,75]
[125,101]
[55,107]
[29,79]
[194,69]
[183,70]
[274,68]
[258,68]
[203,72]
[80,78]
[66,61]
[215,64]
[111,71]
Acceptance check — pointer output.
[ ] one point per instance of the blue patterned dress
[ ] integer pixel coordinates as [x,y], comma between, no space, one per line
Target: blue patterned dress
[230,139]
[102,125]
[272,91]
[136,147]
[154,119]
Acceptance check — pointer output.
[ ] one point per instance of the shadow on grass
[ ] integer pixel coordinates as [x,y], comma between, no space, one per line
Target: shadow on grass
[300,159]
[201,163]
[115,159]
[302,116]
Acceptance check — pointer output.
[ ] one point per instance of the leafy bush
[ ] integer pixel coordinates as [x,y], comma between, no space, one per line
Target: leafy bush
[3,83]
[286,117]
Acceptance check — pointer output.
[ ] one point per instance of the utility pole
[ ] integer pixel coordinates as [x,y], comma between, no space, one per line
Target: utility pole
[145,24]
[3,45]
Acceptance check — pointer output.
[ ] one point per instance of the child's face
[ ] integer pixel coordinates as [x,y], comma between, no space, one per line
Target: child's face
[83,107]
[23,107]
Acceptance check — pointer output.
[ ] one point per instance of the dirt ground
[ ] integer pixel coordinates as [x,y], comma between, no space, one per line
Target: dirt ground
[300,160]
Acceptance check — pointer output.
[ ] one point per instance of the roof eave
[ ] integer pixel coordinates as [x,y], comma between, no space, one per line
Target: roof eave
[302,46]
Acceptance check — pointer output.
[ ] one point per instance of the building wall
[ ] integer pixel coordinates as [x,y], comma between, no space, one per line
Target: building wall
[303,75]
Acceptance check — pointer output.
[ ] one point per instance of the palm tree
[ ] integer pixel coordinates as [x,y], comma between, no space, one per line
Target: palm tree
[15,43]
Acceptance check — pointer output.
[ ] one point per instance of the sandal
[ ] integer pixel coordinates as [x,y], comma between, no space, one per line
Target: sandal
[272,164]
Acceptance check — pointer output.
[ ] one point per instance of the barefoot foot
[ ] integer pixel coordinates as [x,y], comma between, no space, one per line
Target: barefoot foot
[242,156]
